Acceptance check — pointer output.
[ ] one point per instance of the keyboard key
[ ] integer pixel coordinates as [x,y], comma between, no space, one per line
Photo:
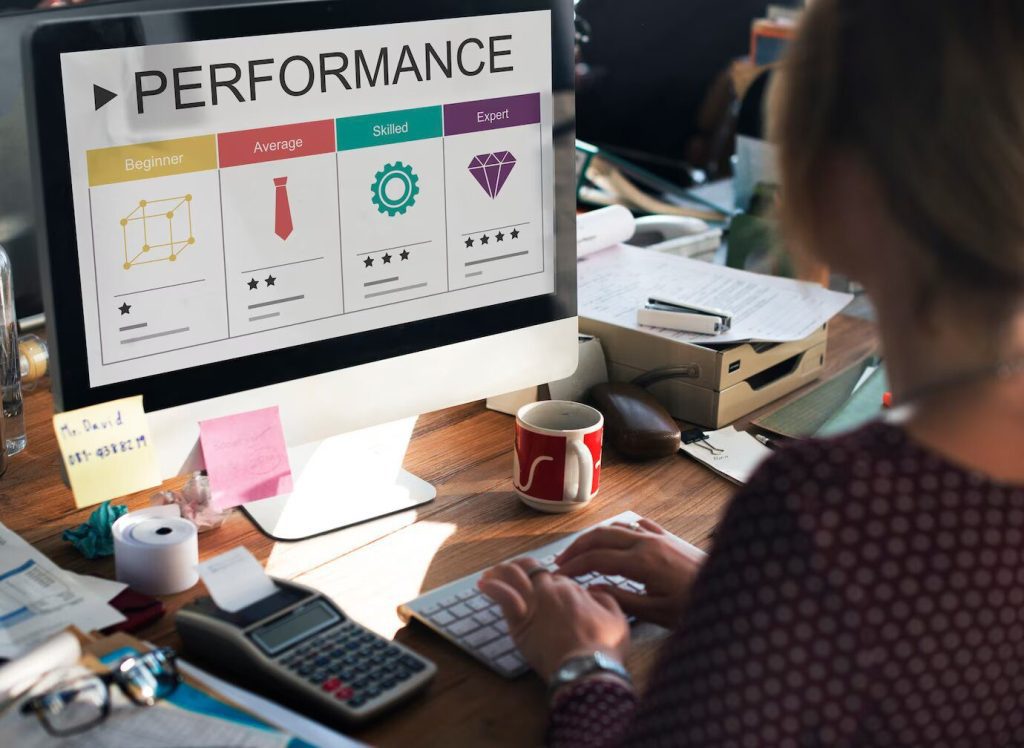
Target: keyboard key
[510,662]
[442,618]
[481,636]
[430,608]
[449,601]
[462,627]
[461,610]
[617,580]
[466,593]
[497,648]
[502,626]
[485,617]
[479,603]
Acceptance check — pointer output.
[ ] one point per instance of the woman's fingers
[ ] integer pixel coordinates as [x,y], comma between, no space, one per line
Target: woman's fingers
[623,563]
[610,537]
[629,602]
[512,604]
[514,575]
[651,526]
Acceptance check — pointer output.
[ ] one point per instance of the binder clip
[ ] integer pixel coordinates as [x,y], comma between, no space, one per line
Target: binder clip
[698,437]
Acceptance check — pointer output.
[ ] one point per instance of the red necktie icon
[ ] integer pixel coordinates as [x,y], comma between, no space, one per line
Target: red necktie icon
[282,210]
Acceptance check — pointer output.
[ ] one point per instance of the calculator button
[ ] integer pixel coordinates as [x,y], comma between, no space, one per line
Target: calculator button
[331,684]
[401,674]
[344,694]
[357,701]
[305,670]
[412,663]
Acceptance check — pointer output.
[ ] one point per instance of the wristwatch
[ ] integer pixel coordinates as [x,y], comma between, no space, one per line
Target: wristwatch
[579,667]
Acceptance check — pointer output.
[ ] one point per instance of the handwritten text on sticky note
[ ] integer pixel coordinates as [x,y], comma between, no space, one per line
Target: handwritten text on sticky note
[246,457]
[107,450]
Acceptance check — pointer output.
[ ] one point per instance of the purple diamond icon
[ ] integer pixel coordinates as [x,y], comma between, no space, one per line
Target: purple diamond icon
[491,170]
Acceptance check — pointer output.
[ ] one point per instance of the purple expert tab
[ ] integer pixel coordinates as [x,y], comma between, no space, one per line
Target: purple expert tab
[491,114]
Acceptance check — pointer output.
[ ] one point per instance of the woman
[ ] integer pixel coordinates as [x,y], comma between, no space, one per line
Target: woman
[867,589]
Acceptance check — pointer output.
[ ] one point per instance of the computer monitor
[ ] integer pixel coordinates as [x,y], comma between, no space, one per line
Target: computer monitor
[356,212]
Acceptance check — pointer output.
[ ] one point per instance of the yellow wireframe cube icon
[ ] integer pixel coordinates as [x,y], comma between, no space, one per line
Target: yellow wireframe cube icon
[157,231]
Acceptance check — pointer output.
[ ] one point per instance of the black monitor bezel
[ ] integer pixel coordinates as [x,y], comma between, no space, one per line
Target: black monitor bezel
[61,280]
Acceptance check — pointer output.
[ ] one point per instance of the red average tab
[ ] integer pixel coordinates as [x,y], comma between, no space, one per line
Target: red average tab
[275,143]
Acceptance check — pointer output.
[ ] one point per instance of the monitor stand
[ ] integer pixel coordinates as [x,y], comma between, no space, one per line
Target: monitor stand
[342,481]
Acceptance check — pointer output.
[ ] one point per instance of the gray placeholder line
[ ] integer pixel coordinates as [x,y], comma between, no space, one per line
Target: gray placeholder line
[158,288]
[474,274]
[499,257]
[282,265]
[277,301]
[155,335]
[126,328]
[395,290]
[264,316]
[382,280]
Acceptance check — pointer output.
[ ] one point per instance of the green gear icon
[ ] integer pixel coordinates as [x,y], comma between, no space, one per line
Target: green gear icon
[386,179]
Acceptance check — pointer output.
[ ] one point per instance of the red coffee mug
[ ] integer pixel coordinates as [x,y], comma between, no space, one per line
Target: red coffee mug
[557,464]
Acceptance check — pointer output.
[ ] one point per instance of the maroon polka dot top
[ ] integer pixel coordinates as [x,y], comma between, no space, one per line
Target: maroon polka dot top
[862,591]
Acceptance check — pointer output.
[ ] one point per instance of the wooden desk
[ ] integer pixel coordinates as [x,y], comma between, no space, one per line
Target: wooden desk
[475,522]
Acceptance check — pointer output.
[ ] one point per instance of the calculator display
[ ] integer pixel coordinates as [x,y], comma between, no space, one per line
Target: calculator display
[299,624]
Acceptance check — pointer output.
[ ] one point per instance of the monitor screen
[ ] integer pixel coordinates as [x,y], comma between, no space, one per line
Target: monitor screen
[260,206]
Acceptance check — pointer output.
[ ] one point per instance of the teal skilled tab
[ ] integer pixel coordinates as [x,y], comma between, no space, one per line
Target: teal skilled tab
[368,130]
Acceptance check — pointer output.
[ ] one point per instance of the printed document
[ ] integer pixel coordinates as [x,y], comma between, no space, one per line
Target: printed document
[38,599]
[615,282]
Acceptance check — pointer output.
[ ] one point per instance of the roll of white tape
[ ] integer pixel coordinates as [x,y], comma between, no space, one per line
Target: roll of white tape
[156,550]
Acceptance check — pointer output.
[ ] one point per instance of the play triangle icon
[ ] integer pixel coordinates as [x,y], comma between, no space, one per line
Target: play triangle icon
[101,96]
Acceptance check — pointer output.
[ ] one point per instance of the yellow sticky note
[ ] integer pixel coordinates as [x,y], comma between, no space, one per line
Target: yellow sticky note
[107,450]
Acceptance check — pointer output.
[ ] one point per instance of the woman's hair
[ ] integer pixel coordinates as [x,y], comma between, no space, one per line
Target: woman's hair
[929,95]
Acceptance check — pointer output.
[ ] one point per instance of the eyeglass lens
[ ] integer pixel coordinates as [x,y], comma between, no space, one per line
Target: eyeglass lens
[75,706]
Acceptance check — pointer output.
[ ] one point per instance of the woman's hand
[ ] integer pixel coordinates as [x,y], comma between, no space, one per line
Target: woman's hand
[552,618]
[644,553]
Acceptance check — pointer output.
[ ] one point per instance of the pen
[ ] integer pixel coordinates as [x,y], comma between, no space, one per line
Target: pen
[770,443]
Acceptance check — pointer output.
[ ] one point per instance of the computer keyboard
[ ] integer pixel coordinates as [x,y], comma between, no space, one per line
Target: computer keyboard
[459,612]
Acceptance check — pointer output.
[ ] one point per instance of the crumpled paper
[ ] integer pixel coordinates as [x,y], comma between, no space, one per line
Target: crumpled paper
[93,538]
[194,501]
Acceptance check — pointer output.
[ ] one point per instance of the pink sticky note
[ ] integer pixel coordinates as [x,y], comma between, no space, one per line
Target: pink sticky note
[246,457]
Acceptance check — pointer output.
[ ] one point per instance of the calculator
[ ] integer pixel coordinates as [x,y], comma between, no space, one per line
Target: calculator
[299,648]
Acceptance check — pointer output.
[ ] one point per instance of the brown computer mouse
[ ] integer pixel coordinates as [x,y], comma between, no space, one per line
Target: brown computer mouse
[635,424]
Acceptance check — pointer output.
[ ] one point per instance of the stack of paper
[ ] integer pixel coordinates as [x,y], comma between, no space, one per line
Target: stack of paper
[613,283]
[38,599]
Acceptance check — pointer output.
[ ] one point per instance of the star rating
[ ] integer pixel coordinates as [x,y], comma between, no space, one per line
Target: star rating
[404,254]
[271,280]
[253,284]
[515,233]
[387,259]
[368,262]
[499,236]
[469,242]
[125,308]
[484,239]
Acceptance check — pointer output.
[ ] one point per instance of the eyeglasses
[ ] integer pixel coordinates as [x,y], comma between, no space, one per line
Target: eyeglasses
[82,703]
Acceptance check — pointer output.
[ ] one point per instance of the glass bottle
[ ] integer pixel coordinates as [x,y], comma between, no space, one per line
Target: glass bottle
[10,367]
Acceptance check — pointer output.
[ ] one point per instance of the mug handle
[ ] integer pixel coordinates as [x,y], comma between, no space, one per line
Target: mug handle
[586,471]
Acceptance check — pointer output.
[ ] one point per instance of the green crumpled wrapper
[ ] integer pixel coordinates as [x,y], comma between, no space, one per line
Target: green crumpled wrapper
[93,539]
